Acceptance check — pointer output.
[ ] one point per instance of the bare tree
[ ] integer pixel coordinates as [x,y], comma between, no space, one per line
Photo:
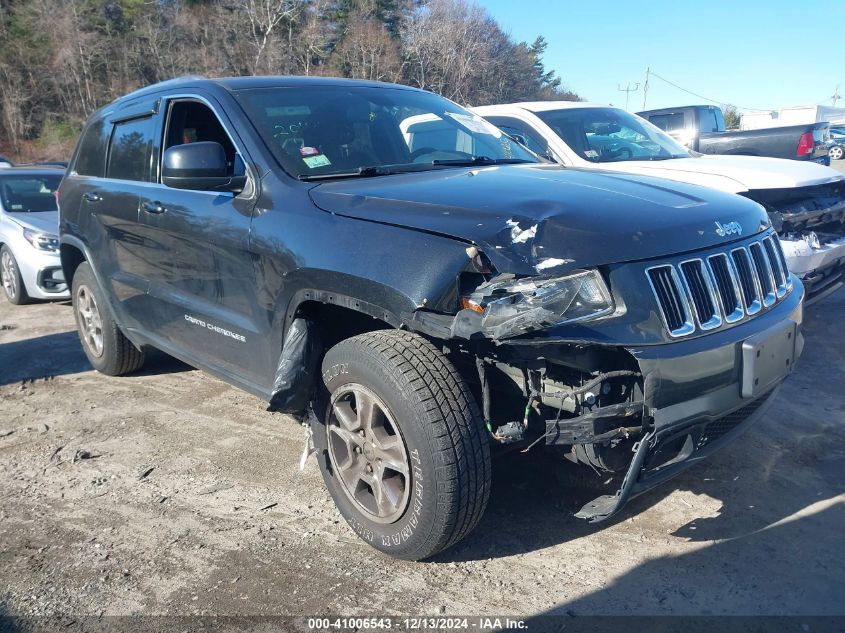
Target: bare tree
[61,59]
[367,51]
[264,17]
[309,37]
[445,43]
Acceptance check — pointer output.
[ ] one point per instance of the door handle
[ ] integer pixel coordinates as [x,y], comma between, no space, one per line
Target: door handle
[90,196]
[153,207]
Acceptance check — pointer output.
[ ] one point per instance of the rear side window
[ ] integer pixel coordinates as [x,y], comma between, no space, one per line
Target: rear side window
[131,149]
[708,122]
[91,157]
[668,122]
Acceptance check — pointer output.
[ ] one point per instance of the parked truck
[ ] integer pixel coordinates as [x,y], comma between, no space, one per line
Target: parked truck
[702,129]
[805,201]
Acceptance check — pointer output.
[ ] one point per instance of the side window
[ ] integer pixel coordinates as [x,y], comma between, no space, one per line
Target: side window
[534,141]
[193,121]
[670,122]
[707,121]
[130,150]
[91,155]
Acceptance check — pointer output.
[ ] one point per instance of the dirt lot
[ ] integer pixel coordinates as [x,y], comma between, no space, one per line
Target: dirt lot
[169,492]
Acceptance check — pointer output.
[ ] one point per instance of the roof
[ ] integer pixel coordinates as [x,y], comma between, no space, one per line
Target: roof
[233,84]
[31,169]
[545,106]
[677,108]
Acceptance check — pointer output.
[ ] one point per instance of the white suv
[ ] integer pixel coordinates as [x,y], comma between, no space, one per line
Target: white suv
[29,241]
[805,201]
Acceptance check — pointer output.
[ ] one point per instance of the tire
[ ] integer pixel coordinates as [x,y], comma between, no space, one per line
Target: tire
[426,412]
[107,349]
[12,281]
[836,153]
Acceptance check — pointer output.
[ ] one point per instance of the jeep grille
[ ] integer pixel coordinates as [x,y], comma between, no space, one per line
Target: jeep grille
[703,293]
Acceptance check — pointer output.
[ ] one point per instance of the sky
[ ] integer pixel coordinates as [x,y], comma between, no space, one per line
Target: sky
[755,54]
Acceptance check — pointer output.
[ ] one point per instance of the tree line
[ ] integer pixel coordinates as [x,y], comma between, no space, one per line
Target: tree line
[62,59]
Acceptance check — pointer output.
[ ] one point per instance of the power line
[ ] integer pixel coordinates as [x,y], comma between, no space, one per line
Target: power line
[695,94]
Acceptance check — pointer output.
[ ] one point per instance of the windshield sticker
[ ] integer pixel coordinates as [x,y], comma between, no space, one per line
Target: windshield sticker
[591,153]
[319,160]
[308,151]
[474,124]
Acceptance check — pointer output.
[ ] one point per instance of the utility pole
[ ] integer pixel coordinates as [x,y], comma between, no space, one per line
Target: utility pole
[645,86]
[628,90]
[836,97]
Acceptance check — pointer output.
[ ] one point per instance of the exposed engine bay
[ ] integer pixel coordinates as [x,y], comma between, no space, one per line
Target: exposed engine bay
[591,402]
[811,224]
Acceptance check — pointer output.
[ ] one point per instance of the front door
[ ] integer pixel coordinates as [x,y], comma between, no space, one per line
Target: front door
[202,292]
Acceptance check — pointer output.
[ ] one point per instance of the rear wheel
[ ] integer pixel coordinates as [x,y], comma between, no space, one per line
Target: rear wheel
[401,444]
[108,350]
[11,276]
[836,152]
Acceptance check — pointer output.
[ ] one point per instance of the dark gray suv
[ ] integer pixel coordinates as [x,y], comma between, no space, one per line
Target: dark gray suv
[422,291]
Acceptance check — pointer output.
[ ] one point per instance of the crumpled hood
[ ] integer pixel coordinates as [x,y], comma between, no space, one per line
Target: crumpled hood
[42,221]
[541,218]
[735,174]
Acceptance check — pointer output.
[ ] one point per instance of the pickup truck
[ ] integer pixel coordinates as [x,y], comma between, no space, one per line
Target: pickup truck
[422,298]
[702,129]
[805,201]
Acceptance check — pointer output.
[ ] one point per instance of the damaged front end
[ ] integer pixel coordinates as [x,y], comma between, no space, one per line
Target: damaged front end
[811,223]
[639,369]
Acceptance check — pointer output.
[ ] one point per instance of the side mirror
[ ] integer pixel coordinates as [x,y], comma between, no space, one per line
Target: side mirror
[201,166]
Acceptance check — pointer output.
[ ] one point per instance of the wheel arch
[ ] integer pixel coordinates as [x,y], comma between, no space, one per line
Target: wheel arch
[316,320]
[72,253]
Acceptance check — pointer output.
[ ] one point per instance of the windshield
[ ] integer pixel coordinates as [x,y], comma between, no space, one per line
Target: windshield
[29,193]
[609,135]
[322,131]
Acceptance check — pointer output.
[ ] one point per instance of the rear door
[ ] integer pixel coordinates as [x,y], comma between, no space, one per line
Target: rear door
[202,287]
[109,180]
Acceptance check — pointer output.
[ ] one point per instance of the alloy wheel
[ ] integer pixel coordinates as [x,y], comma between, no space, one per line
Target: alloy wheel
[836,153]
[90,323]
[9,274]
[368,453]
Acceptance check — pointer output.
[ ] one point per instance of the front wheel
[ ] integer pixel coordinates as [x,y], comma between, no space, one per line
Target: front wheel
[836,152]
[400,444]
[12,279]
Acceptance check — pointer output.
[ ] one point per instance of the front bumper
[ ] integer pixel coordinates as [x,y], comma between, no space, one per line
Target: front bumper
[819,263]
[699,397]
[42,273]
[662,454]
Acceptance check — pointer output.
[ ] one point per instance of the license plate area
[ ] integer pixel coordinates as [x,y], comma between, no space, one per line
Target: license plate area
[767,358]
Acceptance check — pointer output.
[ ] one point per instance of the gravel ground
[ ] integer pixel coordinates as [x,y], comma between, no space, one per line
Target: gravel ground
[170,492]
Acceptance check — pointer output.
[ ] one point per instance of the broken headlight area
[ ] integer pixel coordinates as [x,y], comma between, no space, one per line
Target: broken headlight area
[503,308]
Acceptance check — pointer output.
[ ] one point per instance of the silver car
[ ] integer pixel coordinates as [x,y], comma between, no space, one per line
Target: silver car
[29,242]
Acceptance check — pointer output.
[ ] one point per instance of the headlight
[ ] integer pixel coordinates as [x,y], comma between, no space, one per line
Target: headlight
[511,307]
[42,241]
